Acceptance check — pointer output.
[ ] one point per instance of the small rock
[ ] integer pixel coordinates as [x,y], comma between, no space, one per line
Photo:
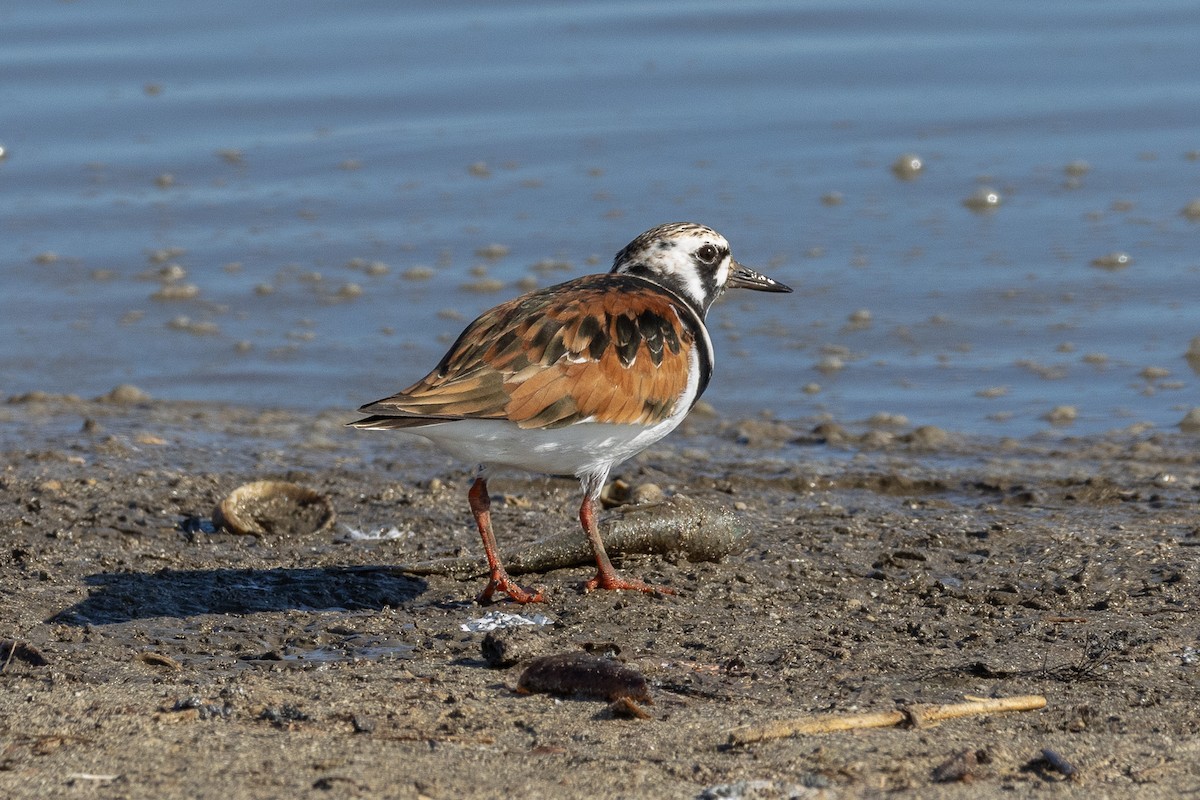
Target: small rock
[124,394]
[1061,415]
[1113,261]
[504,647]
[908,166]
[984,199]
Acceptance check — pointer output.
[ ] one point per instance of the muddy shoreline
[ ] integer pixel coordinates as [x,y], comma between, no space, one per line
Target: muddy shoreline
[149,654]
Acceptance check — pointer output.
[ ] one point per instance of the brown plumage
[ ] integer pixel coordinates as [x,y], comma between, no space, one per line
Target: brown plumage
[607,348]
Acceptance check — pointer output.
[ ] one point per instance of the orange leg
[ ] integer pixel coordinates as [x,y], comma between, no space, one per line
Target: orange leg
[481,506]
[606,576]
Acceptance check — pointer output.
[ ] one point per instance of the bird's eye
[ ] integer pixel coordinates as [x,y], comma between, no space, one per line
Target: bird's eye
[708,254]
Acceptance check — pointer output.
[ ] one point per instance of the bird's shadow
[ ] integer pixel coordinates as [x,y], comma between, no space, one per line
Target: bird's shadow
[116,597]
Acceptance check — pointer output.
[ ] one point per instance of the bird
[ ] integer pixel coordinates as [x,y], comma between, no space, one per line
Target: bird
[575,378]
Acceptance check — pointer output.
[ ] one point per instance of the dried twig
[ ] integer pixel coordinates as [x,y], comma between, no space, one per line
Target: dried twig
[915,715]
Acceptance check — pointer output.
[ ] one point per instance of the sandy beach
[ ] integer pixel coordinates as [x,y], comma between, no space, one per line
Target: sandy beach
[149,655]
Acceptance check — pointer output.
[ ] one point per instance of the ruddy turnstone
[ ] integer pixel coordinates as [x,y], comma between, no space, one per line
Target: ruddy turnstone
[575,378]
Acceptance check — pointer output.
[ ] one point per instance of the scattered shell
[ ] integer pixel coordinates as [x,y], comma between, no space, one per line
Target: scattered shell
[1061,415]
[583,674]
[1152,374]
[926,437]
[908,166]
[984,199]
[125,393]
[177,291]
[860,320]
[619,493]
[417,273]
[268,507]
[829,365]
[492,252]
[153,659]
[349,291]
[648,494]
[1113,261]
[196,327]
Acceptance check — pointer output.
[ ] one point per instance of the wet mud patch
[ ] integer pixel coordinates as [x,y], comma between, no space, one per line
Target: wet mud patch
[864,582]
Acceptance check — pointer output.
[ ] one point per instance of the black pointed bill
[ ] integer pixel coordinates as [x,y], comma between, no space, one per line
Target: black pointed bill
[742,277]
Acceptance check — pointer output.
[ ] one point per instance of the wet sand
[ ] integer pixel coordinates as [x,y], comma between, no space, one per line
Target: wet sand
[148,654]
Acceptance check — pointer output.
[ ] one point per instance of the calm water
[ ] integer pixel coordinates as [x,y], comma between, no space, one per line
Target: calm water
[271,160]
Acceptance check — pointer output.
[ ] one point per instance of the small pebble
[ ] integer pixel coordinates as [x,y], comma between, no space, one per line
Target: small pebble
[492,252]
[1154,373]
[984,199]
[417,273]
[125,393]
[860,320]
[583,674]
[829,365]
[177,291]
[1113,261]
[504,647]
[908,166]
[1061,415]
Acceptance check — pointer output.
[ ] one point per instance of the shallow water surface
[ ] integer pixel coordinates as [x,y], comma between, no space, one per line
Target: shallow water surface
[302,204]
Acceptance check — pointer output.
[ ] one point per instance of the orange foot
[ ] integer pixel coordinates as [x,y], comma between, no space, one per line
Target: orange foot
[613,581]
[500,582]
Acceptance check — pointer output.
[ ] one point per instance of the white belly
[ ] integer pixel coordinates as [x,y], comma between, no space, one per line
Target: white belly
[585,447]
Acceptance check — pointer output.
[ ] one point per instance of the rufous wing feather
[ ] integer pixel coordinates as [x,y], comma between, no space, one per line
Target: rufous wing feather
[607,348]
